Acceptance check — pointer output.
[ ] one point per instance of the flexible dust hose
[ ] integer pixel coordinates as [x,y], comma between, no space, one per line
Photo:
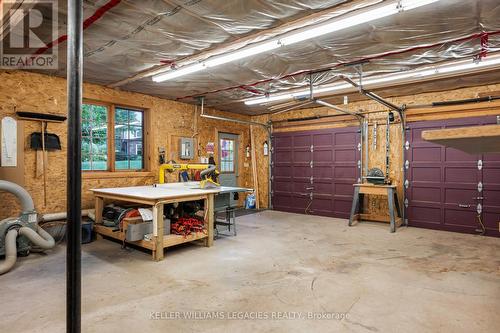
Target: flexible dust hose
[23,195]
[40,238]
[10,252]
[208,170]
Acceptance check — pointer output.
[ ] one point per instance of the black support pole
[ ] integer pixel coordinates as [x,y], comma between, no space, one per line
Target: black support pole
[74,176]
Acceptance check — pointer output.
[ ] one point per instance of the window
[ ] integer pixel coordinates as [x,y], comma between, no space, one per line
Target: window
[112,138]
[227,155]
[94,137]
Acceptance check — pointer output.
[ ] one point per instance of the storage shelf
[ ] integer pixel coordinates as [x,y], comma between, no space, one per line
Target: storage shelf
[168,240]
[472,139]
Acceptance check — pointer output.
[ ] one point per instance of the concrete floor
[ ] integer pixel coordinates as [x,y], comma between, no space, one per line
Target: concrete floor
[415,280]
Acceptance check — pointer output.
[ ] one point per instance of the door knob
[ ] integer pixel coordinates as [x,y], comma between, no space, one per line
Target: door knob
[464,206]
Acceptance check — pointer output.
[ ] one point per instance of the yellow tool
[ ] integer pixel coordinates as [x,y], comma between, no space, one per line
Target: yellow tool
[207,175]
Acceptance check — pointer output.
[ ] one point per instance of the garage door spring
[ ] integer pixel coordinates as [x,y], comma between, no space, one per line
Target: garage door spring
[482,231]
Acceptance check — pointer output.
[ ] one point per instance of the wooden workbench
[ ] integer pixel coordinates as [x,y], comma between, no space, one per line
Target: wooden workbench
[156,197]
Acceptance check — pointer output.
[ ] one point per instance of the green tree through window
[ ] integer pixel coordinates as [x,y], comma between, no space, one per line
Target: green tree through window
[97,145]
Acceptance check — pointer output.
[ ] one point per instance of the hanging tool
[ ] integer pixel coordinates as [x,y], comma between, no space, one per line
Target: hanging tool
[43,141]
[375,135]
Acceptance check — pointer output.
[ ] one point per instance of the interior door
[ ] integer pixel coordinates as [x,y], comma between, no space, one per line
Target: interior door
[228,161]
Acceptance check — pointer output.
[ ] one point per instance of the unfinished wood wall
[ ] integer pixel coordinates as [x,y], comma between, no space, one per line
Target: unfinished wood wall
[169,121]
[378,113]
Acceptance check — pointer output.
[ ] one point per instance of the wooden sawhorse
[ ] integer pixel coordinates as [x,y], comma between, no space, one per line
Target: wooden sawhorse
[392,198]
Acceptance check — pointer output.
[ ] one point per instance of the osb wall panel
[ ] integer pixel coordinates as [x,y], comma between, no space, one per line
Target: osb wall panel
[169,120]
[261,136]
[378,113]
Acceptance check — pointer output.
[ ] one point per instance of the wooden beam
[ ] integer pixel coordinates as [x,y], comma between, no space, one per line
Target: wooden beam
[471,139]
[254,168]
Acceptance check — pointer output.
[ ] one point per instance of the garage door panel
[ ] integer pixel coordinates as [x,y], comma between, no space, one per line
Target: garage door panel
[461,217]
[454,155]
[322,140]
[282,186]
[426,174]
[345,172]
[460,196]
[301,156]
[424,194]
[282,171]
[283,200]
[461,175]
[301,172]
[322,156]
[491,222]
[321,172]
[324,188]
[342,207]
[426,154]
[491,177]
[443,192]
[345,139]
[342,155]
[344,189]
[491,198]
[425,214]
[334,156]
[283,156]
[302,141]
[284,141]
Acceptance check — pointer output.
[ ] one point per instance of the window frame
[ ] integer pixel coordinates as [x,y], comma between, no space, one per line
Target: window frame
[111,168]
[232,160]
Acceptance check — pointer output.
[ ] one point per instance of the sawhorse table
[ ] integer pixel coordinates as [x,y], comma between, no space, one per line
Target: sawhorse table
[392,199]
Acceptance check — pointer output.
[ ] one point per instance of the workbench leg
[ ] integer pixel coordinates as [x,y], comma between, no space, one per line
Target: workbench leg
[398,207]
[99,206]
[158,239]
[355,201]
[209,206]
[390,199]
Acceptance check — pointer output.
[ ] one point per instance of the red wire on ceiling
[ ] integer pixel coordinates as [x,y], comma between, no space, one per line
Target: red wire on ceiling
[482,36]
[87,23]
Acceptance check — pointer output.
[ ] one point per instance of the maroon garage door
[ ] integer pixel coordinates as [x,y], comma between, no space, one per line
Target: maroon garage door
[313,171]
[448,189]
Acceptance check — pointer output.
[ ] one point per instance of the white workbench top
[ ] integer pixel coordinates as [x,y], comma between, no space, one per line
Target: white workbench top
[166,191]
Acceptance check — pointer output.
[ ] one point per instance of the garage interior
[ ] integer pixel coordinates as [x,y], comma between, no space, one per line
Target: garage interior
[250,165]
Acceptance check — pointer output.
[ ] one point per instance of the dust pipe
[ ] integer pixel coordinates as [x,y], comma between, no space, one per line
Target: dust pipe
[23,226]
[363,125]
[268,128]
[393,107]
[74,165]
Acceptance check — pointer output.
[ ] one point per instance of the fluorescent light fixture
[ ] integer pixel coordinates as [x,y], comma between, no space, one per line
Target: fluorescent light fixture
[243,53]
[178,72]
[296,37]
[381,81]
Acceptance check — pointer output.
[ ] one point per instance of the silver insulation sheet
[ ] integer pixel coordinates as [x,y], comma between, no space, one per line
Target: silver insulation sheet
[134,36]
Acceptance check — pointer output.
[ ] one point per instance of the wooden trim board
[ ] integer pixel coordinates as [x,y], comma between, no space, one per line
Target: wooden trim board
[471,139]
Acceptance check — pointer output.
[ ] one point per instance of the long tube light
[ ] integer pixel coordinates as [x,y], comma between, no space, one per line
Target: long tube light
[296,37]
[380,81]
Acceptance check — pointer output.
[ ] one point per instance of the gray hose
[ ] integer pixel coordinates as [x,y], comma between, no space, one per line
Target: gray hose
[40,237]
[23,195]
[10,252]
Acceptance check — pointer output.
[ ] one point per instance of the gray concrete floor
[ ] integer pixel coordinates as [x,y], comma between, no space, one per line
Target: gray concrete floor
[415,280]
